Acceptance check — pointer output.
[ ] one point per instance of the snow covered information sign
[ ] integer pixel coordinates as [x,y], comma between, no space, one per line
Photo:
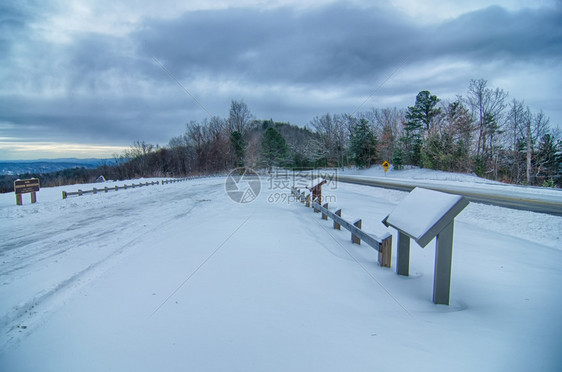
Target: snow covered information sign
[423,215]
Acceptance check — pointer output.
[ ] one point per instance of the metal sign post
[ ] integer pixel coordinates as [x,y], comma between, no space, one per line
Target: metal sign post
[422,216]
[385,165]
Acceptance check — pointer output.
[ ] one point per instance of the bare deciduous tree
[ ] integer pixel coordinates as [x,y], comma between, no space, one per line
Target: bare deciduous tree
[333,133]
[487,107]
[240,118]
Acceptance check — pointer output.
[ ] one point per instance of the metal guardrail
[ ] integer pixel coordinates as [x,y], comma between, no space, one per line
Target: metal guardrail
[95,190]
[494,195]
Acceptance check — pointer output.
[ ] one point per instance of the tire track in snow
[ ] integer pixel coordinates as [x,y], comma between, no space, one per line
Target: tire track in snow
[24,318]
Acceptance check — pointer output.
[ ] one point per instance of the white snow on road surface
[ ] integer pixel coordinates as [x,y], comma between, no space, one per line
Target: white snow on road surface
[179,277]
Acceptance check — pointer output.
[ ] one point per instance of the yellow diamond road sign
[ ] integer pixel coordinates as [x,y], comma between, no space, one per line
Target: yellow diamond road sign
[385,165]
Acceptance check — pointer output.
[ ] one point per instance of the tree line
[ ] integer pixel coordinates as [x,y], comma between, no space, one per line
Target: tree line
[483,132]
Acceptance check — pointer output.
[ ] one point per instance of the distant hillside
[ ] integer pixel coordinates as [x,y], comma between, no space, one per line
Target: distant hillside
[40,166]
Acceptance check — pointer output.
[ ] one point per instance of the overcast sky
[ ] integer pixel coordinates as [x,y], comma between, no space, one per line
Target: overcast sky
[78,78]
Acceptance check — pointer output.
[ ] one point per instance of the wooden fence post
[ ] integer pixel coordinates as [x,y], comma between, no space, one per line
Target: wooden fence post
[385,253]
[64,195]
[325,216]
[337,226]
[307,201]
[355,239]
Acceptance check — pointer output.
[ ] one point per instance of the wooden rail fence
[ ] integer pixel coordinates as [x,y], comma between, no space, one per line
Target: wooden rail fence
[383,245]
[95,190]
[174,180]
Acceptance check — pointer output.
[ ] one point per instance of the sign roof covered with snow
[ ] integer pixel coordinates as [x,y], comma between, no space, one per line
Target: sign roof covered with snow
[424,213]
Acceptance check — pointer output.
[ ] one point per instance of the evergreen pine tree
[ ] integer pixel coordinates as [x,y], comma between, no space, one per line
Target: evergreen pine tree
[398,158]
[547,159]
[419,118]
[274,148]
[421,115]
[239,146]
[363,143]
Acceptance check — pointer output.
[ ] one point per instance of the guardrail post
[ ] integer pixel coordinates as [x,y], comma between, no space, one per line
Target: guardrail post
[307,201]
[337,226]
[385,252]
[324,215]
[355,239]
[95,191]
[105,189]
[79,192]
[64,195]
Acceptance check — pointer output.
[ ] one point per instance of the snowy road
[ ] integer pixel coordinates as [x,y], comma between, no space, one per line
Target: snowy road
[179,277]
[48,254]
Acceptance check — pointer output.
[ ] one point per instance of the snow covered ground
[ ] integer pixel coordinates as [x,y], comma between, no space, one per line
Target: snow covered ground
[179,277]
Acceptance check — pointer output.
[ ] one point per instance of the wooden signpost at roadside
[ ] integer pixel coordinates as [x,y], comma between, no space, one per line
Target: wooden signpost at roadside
[24,187]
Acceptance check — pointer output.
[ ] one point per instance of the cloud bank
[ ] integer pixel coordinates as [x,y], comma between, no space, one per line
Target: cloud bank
[69,81]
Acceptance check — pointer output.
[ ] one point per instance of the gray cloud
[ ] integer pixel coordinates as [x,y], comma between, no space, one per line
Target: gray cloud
[339,43]
[327,46]
[527,35]
[286,64]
